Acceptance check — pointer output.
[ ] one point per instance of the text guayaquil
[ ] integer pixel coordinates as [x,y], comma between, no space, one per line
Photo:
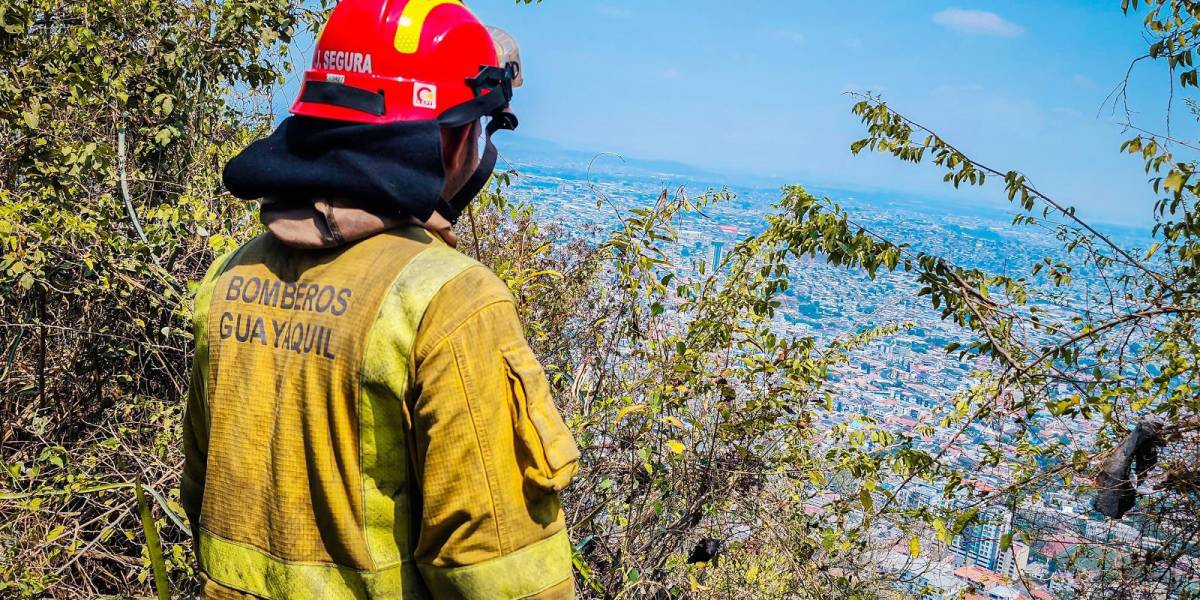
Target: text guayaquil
[294,334]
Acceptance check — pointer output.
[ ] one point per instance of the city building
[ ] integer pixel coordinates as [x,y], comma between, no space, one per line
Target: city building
[979,544]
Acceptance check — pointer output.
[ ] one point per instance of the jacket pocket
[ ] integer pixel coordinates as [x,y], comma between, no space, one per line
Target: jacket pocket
[546,451]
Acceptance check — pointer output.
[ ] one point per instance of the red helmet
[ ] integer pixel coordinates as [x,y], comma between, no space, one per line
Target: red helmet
[382,61]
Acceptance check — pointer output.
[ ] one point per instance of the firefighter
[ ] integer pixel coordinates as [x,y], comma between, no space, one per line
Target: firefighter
[365,418]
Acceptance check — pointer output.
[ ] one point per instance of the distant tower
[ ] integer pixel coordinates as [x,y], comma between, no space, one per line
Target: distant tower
[979,545]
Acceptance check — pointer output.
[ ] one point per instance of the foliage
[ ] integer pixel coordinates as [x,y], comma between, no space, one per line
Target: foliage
[698,420]
[93,288]
[1091,340]
[677,387]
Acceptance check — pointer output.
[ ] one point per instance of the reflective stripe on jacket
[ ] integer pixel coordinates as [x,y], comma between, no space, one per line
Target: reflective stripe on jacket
[369,422]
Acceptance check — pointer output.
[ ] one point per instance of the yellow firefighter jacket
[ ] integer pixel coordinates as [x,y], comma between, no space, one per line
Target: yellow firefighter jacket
[368,421]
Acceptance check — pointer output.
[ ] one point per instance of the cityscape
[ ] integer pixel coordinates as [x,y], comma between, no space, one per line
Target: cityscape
[899,381]
[846,337]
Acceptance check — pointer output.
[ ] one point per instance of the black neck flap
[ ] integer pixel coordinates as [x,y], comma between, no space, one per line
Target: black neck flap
[393,166]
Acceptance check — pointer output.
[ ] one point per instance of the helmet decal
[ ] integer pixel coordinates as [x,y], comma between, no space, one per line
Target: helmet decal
[412,22]
[425,95]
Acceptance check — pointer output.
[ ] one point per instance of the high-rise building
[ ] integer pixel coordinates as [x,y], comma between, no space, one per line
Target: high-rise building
[979,544]
[918,495]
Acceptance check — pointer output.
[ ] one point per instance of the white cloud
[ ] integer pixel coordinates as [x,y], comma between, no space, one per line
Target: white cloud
[1083,81]
[977,22]
[853,43]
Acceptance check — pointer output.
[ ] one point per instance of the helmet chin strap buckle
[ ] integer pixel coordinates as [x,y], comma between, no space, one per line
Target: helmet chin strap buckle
[494,79]
[503,119]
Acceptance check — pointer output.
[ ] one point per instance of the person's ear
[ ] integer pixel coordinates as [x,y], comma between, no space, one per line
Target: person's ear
[458,157]
[455,147]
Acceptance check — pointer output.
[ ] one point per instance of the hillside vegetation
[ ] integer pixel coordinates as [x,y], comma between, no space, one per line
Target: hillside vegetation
[700,423]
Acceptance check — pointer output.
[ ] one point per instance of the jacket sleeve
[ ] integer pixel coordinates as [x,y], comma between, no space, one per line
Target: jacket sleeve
[492,453]
[195,450]
[195,416]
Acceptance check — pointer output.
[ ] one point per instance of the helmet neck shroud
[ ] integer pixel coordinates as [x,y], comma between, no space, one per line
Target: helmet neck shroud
[385,167]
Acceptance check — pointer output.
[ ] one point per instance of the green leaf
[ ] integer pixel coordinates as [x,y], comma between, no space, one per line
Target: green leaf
[57,492]
[632,408]
[585,572]
[752,574]
[1173,181]
[864,496]
[54,534]
[943,534]
[153,546]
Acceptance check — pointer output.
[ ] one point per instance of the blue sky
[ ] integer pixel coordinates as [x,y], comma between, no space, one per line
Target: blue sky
[757,87]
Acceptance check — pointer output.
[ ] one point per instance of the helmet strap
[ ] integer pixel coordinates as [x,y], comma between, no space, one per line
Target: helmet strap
[345,96]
